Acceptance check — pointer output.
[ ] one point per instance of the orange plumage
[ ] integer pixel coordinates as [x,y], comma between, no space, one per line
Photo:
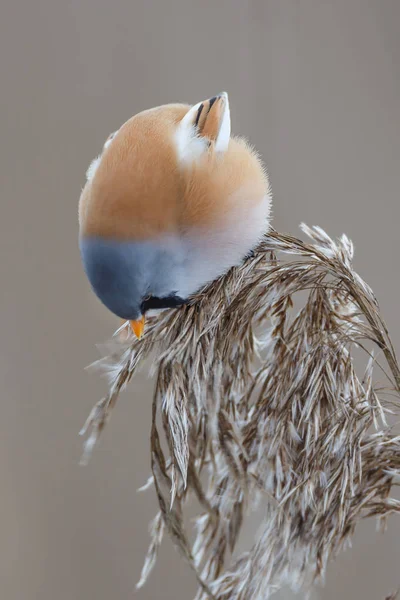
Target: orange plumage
[173,186]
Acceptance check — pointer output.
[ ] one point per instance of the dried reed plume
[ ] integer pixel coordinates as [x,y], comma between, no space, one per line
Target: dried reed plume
[260,403]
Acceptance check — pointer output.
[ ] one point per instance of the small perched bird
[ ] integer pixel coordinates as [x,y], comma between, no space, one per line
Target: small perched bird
[172,202]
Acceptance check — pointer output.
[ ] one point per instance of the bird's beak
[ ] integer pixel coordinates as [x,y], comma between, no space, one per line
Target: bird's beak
[138,327]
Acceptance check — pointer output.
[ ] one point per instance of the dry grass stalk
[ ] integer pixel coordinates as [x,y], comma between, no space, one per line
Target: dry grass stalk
[393,596]
[283,420]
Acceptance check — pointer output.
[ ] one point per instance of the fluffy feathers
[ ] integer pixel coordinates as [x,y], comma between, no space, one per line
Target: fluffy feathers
[172,180]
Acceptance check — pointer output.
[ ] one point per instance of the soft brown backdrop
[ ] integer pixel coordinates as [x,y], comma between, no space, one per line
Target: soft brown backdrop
[315,85]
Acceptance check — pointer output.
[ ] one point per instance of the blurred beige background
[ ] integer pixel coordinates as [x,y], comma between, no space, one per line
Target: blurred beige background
[315,85]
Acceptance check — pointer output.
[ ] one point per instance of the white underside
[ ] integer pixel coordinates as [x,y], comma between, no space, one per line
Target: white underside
[210,253]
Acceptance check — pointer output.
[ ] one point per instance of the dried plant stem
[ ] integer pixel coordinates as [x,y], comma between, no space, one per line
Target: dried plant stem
[261,404]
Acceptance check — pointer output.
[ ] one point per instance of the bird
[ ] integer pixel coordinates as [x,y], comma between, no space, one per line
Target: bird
[172,202]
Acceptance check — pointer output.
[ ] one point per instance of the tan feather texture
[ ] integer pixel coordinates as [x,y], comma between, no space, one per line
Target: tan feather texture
[140,191]
[262,404]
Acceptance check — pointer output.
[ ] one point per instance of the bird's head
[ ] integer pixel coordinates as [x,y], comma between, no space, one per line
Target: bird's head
[167,183]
